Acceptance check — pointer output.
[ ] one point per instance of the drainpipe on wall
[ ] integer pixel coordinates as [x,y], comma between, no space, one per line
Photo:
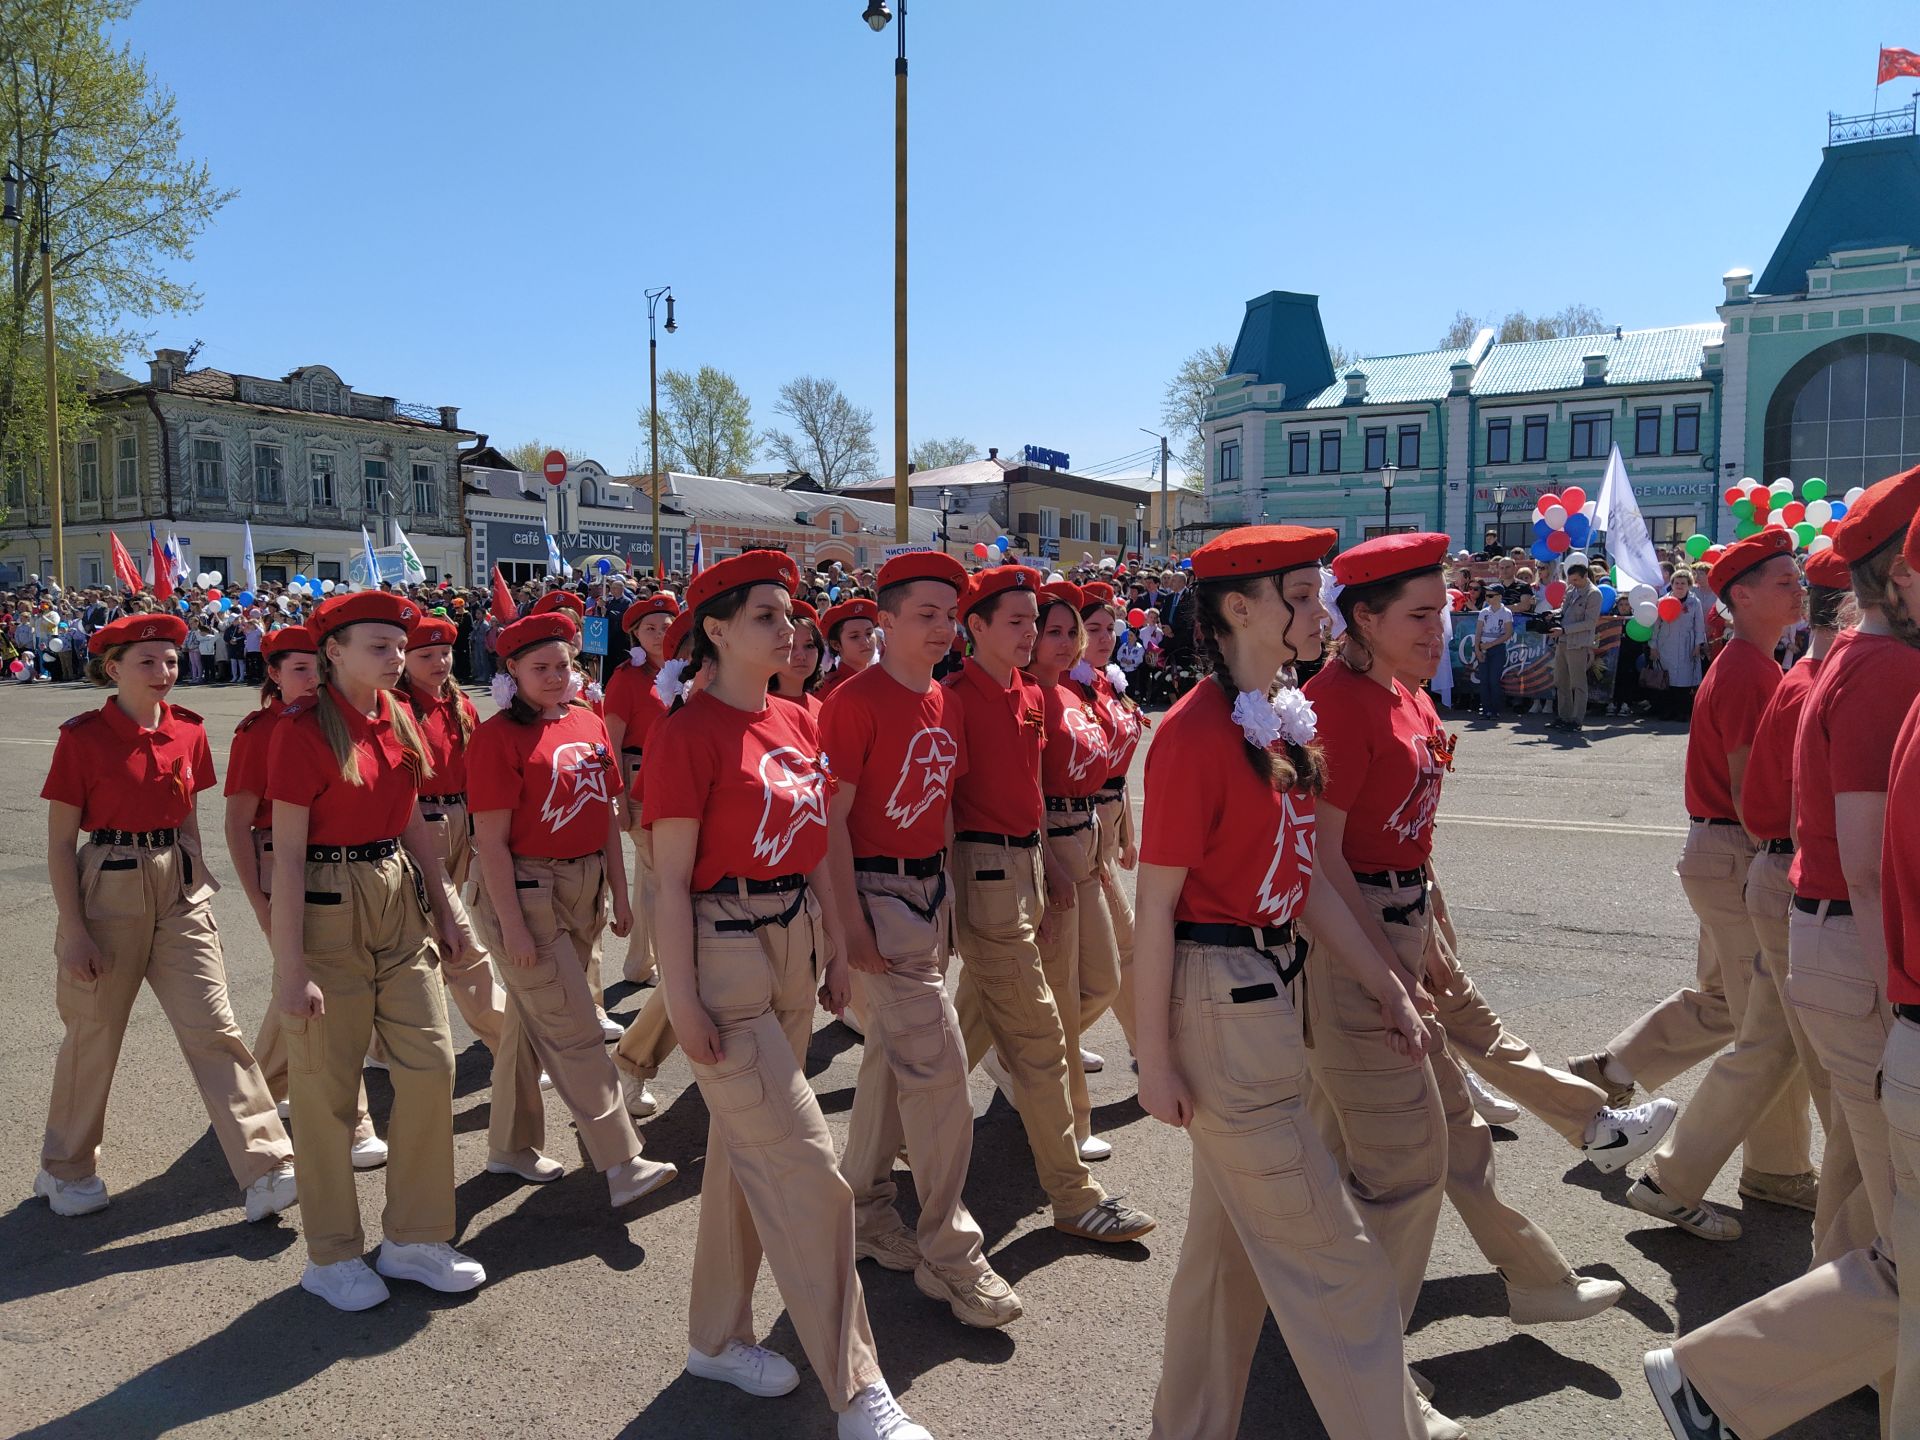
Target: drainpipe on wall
[166,450]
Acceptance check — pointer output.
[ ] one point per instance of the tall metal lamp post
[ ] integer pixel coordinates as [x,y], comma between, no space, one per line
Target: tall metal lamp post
[654,298]
[1387,472]
[1140,530]
[1499,516]
[10,213]
[946,509]
[877,14]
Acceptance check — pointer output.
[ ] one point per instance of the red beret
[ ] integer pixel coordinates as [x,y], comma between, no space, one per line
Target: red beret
[1830,571]
[1385,556]
[678,633]
[1747,555]
[999,579]
[1097,592]
[755,567]
[803,611]
[1883,512]
[537,630]
[1253,550]
[558,600]
[923,565]
[289,640]
[1065,591]
[132,629]
[849,610]
[661,602]
[431,630]
[337,612]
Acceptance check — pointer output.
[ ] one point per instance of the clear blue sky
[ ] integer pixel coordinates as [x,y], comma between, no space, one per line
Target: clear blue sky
[461,203]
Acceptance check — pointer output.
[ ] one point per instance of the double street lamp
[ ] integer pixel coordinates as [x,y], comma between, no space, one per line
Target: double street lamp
[654,298]
[14,183]
[877,14]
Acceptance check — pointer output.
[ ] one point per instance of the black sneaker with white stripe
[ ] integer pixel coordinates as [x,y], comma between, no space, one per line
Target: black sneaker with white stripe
[1112,1221]
[1702,1220]
[1684,1408]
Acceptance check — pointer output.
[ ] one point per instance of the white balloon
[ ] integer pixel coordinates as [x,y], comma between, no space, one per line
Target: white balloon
[1643,595]
[1819,543]
[1556,517]
[56,645]
[1819,512]
[201,581]
[1854,495]
[212,609]
[1782,487]
[1776,520]
[285,603]
[1646,612]
[1055,578]
[1747,482]
[327,585]
[213,577]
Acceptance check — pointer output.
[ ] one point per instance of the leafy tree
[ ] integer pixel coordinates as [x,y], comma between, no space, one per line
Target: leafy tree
[1575,319]
[124,205]
[1184,405]
[937,454]
[530,455]
[833,439]
[706,423]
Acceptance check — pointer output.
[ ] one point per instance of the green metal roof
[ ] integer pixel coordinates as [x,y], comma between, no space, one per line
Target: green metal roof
[1392,380]
[1866,194]
[1637,357]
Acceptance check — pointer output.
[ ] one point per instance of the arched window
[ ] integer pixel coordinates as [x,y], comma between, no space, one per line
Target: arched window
[589,493]
[1849,413]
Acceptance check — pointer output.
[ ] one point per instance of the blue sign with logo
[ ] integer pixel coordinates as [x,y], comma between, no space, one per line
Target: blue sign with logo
[593,635]
[1052,459]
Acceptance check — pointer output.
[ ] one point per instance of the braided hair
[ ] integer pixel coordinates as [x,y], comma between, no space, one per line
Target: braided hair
[1287,766]
[1872,583]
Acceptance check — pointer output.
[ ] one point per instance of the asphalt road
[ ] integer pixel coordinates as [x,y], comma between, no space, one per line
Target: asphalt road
[167,1313]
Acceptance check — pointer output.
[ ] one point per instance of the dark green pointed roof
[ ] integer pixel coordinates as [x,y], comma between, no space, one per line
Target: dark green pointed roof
[1865,195]
[1282,342]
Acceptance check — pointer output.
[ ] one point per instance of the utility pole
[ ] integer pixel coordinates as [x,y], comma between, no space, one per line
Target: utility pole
[1166,513]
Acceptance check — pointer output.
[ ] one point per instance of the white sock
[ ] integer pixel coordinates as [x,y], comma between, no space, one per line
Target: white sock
[1617,1072]
[1593,1129]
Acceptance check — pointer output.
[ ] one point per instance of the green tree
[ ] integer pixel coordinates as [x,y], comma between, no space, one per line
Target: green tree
[1184,406]
[531,455]
[832,438]
[122,207]
[706,423]
[937,454]
[1574,319]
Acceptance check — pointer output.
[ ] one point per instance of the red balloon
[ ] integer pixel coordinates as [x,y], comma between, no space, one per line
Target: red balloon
[1559,542]
[1556,592]
[1762,501]
[1574,498]
[1671,609]
[1794,512]
[1136,618]
[1733,494]
[1546,502]
[1832,528]
[979,550]
[1714,552]
[213,594]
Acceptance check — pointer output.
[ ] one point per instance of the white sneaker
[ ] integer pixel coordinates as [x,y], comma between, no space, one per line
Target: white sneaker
[1090,1062]
[72,1197]
[876,1415]
[437,1265]
[1702,1220]
[610,1028]
[345,1284]
[997,1072]
[546,1081]
[1622,1136]
[373,1062]
[630,1179]
[1684,1408]
[1489,1105]
[530,1165]
[271,1193]
[1094,1148]
[1573,1297]
[640,1101]
[752,1368]
[369,1154]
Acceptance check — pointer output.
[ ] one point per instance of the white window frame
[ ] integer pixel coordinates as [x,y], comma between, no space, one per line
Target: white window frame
[323,462]
[279,470]
[126,467]
[1109,530]
[87,471]
[370,500]
[833,524]
[1077,525]
[1049,518]
[200,490]
[429,489]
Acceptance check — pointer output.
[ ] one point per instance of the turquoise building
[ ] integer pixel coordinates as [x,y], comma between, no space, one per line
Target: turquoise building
[1812,370]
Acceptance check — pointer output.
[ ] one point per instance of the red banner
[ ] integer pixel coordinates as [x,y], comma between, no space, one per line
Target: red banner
[1895,63]
[124,569]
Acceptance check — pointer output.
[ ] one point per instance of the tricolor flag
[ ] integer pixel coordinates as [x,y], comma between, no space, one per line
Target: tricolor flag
[1895,63]
[162,566]
[177,553]
[124,570]
[698,562]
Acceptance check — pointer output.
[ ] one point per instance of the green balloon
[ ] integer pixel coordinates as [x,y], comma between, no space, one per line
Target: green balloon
[1814,489]
[1806,532]
[1698,545]
[1746,528]
[1743,508]
[1639,631]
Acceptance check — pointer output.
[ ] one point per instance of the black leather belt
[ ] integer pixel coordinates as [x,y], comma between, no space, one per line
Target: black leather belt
[1779,847]
[1114,789]
[1267,939]
[1391,877]
[145,839]
[629,749]
[1806,905]
[456,799]
[779,885]
[923,869]
[1909,1013]
[1060,832]
[334,854]
[735,886]
[987,837]
[1707,820]
[1066,804]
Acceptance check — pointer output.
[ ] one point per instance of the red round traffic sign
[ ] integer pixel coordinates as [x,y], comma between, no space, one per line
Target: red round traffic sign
[555,467]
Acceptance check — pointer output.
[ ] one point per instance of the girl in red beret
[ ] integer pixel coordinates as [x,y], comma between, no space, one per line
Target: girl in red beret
[292,676]
[134,903]
[633,706]
[1229,868]
[544,782]
[736,797]
[852,636]
[359,892]
[798,682]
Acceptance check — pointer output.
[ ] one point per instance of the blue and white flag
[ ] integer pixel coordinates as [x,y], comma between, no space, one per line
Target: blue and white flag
[1617,515]
[246,559]
[373,561]
[555,564]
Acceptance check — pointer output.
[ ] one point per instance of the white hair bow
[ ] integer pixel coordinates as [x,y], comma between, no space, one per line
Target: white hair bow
[666,685]
[1330,591]
[1285,715]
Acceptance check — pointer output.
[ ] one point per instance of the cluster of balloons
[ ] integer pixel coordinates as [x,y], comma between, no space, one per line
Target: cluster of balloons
[994,550]
[307,589]
[206,579]
[1649,607]
[1811,517]
[1561,523]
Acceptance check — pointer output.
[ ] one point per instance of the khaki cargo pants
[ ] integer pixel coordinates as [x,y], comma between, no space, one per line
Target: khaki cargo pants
[640,965]
[1115,825]
[1078,954]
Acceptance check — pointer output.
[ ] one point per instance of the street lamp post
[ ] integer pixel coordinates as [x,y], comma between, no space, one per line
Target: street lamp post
[946,509]
[1387,472]
[877,14]
[10,213]
[1140,531]
[653,413]
[1499,515]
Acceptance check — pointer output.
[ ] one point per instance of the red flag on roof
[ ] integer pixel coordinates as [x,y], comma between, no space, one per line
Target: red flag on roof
[124,570]
[1895,63]
[504,609]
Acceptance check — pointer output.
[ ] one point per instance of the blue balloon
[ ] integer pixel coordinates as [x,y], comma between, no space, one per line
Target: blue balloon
[226,602]
[1579,529]
[833,592]
[246,597]
[1541,552]
[1839,509]
[1186,564]
[1539,529]
[605,566]
[1609,597]
[299,579]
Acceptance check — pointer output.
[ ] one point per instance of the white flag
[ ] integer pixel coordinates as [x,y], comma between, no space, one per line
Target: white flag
[373,561]
[555,564]
[1617,514]
[253,573]
[416,572]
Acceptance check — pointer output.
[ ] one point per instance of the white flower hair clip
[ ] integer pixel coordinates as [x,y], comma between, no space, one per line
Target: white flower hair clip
[1082,671]
[594,693]
[503,689]
[666,685]
[574,686]
[1117,678]
[1330,591]
[1286,715]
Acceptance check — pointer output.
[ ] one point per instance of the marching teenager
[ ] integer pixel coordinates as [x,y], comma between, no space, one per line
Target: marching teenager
[1756,1089]
[1386,758]
[1124,723]
[736,797]
[292,676]
[849,629]
[358,893]
[1229,867]
[447,721]
[798,681]
[1077,948]
[1762,1367]
[1004,1000]
[134,903]
[893,740]
[634,707]
[545,780]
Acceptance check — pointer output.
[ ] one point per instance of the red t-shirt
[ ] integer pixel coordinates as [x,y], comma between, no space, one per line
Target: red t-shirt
[1726,712]
[902,751]
[247,760]
[1845,746]
[122,777]
[301,770]
[1247,848]
[439,726]
[1004,731]
[1900,866]
[809,702]
[752,778]
[1123,723]
[1074,760]
[833,680]
[1766,795]
[630,696]
[558,777]
[1383,766]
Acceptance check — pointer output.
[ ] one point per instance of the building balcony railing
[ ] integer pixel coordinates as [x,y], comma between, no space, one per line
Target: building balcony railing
[1881,125]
